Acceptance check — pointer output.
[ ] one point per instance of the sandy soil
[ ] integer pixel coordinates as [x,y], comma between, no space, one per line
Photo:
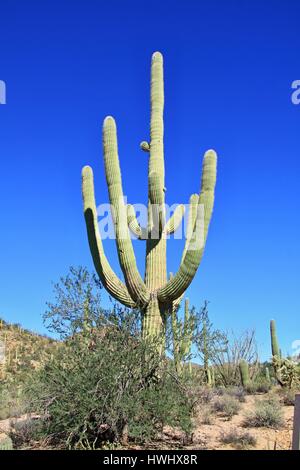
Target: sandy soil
[207,436]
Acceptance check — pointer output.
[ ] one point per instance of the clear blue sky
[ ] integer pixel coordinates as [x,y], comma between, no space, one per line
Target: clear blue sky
[229,66]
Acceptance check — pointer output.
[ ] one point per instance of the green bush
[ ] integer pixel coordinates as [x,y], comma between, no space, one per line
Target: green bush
[267,413]
[108,385]
[11,400]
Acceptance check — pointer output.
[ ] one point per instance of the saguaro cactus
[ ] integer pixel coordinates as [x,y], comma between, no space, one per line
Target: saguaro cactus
[267,375]
[277,360]
[274,341]
[244,371]
[155,294]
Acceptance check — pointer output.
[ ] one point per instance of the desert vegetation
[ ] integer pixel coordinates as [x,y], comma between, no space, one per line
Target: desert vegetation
[102,385]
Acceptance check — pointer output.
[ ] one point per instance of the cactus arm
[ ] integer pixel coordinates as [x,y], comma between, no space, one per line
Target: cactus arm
[193,256]
[175,220]
[193,203]
[176,303]
[156,179]
[134,226]
[156,160]
[133,280]
[110,281]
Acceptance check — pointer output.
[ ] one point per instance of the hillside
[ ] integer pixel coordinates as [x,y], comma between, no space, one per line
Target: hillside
[21,350]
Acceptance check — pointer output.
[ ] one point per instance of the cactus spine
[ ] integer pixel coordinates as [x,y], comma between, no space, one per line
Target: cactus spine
[244,371]
[155,296]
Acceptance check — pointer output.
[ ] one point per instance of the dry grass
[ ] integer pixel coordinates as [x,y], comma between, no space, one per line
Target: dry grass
[238,439]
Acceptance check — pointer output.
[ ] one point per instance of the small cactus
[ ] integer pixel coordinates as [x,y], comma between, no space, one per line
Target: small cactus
[244,371]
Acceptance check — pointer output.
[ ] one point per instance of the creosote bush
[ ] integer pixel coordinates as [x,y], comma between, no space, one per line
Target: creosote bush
[108,385]
[267,413]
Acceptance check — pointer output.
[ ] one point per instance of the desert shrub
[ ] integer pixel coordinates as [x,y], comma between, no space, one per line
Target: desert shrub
[288,397]
[259,386]
[267,413]
[227,405]
[206,414]
[22,432]
[238,393]
[204,394]
[77,303]
[11,400]
[108,385]
[263,386]
[226,359]
[240,440]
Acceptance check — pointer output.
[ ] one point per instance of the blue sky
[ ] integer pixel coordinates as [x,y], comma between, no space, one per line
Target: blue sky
[229,66]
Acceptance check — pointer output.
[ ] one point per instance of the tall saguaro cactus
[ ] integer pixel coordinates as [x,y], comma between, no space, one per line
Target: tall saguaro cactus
[155,295]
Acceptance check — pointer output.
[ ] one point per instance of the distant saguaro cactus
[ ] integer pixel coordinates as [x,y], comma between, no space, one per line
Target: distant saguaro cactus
[244,371]
[274,341]
[154,295]
[267,375]
[276,352]
[181,333]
